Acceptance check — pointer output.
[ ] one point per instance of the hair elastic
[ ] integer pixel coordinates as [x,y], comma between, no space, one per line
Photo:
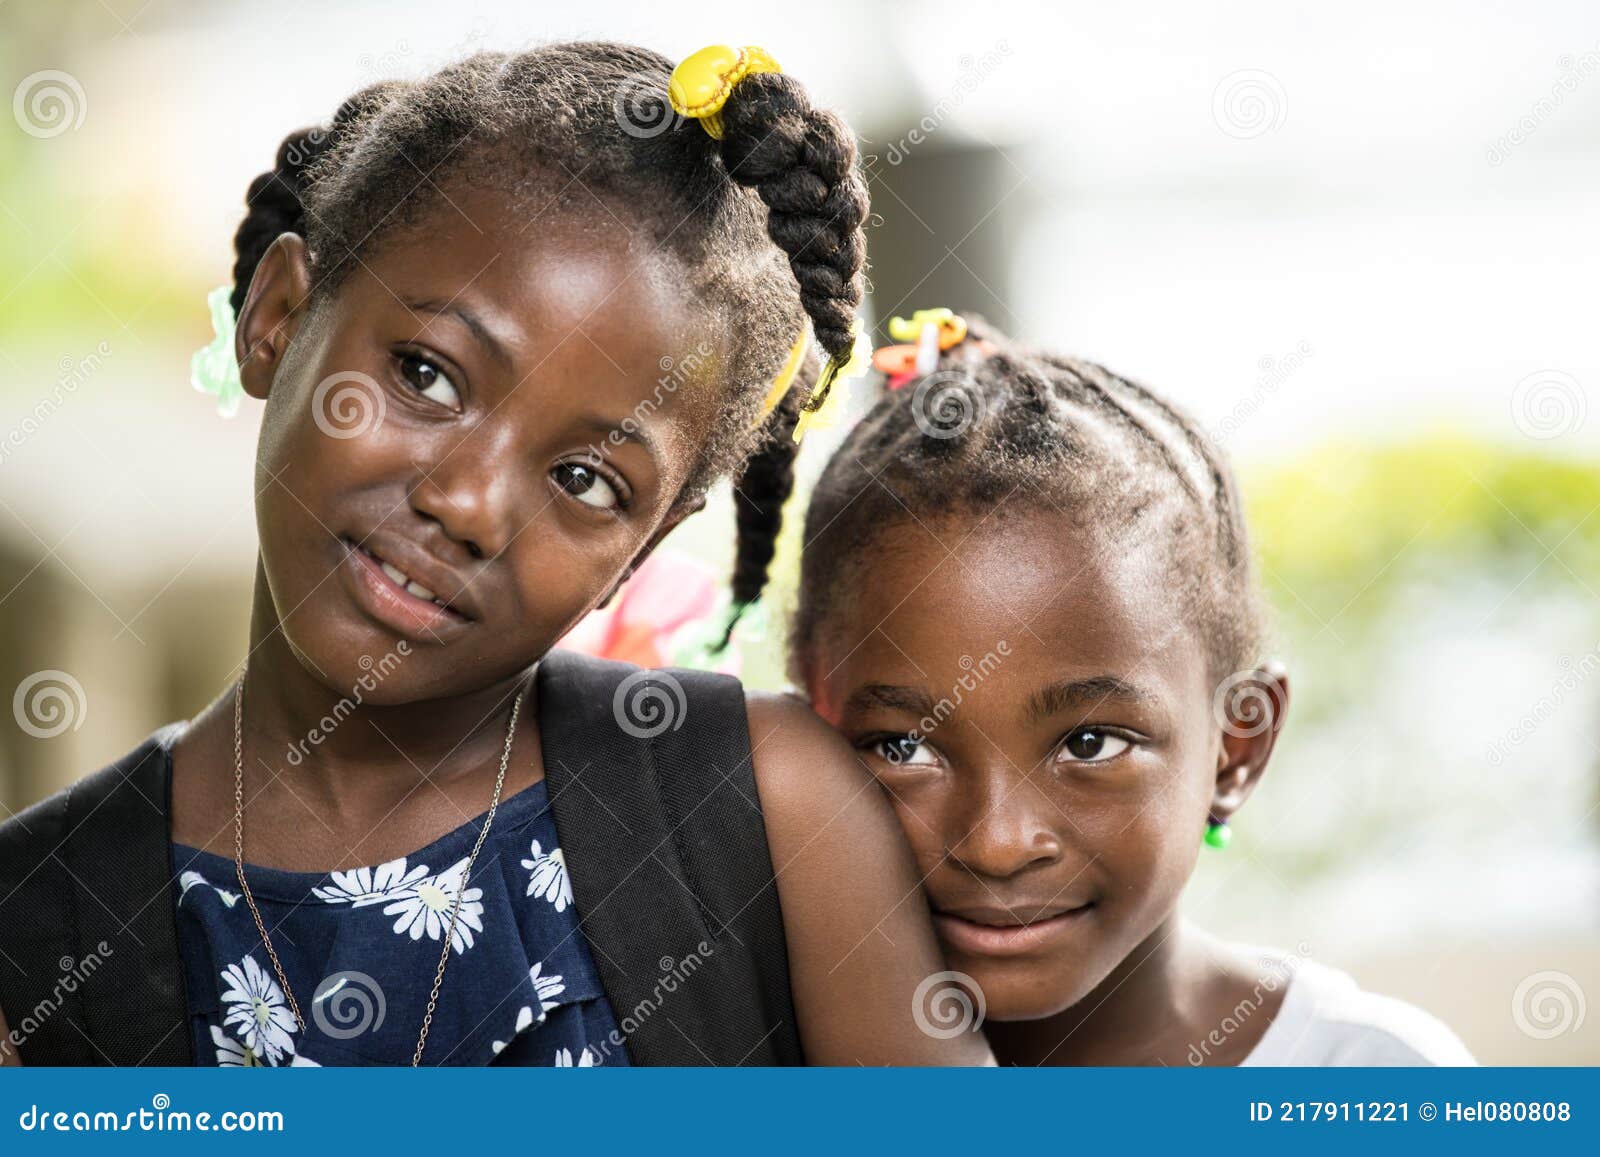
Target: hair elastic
[703,81]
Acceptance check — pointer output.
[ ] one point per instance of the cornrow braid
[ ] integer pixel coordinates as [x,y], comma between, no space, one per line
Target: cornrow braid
[1036,432]
[766,222]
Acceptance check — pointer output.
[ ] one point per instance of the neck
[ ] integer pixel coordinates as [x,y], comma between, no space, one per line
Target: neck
[334,747]
[1145,1012]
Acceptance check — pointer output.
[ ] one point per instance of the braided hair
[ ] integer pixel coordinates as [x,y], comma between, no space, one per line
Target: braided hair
[1001,428]
[774,206]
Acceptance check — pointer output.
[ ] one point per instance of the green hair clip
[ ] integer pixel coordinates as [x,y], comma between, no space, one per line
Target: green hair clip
[215,368]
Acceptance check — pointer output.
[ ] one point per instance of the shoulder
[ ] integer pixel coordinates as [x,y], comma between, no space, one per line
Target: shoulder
[1327,1019]
[138,777]
[801,764]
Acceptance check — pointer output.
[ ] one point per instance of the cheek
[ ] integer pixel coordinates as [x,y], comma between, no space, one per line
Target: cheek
[1148,838]
[921,817]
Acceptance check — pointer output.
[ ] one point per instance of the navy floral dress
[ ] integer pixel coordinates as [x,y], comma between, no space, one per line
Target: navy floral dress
[360,949]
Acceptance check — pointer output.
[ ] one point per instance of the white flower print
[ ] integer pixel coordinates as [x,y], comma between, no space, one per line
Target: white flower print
[188,880]
[257,1010]
[362,887]
[231,1054]
[424,907]
[546,986]
[525,1021]
[586,1059]
[548,877]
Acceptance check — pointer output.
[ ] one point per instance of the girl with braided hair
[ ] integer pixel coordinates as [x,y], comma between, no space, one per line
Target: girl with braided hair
[508,322]
[1026,600]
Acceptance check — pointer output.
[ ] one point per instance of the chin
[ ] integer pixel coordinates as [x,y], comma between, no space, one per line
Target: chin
[1028,989]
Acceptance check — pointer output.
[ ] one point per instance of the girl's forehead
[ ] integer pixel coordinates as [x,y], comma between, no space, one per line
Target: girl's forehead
[1057,595]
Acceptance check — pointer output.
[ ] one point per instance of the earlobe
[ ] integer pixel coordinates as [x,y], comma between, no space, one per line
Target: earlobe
[272,312]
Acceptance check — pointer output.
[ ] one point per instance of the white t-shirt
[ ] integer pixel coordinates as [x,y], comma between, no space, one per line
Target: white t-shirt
[1328,1020]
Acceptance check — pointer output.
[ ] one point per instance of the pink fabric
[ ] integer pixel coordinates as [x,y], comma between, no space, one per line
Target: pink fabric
[667,593]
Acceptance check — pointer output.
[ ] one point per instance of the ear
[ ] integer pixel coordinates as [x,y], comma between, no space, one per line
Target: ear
[674,516]
[1250,709]
[274,306]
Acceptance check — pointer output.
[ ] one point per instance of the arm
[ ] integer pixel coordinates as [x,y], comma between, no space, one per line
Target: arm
[859,934]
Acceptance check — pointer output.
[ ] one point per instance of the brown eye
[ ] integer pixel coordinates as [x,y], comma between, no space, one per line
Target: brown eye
[1092,745]
[429,381]
[904,750]
[586,485]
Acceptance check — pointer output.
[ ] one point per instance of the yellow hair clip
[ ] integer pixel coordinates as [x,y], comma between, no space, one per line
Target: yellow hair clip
[827,400]
[701,83]
[785,379]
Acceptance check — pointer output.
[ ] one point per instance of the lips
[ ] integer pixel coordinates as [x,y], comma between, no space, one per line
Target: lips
[991,931]
[402,589]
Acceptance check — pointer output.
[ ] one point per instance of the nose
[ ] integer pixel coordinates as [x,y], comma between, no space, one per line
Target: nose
[470,491]
[1006,829]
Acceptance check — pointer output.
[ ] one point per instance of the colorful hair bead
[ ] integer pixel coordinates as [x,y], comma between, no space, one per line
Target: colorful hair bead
[702,82]
[929,331]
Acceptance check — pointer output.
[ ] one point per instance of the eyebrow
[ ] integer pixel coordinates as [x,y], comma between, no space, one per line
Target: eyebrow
[621,431]
[1067,694]
[892,697]
[467,318]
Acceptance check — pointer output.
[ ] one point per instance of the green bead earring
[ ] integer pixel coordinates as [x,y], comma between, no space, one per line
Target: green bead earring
[1218,834]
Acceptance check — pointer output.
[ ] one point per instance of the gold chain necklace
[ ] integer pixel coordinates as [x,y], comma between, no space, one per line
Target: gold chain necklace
[238,861]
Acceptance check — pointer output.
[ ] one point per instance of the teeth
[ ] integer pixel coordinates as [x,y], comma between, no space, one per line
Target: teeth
[403,581]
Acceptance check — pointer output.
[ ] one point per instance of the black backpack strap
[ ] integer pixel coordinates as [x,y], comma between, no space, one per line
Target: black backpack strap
[89,967]
[654,797]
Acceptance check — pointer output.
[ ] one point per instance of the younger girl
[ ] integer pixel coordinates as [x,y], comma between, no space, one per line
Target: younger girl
[509,322]
[1026,601]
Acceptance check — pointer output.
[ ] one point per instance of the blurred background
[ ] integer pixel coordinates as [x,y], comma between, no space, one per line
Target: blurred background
[1358,241]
